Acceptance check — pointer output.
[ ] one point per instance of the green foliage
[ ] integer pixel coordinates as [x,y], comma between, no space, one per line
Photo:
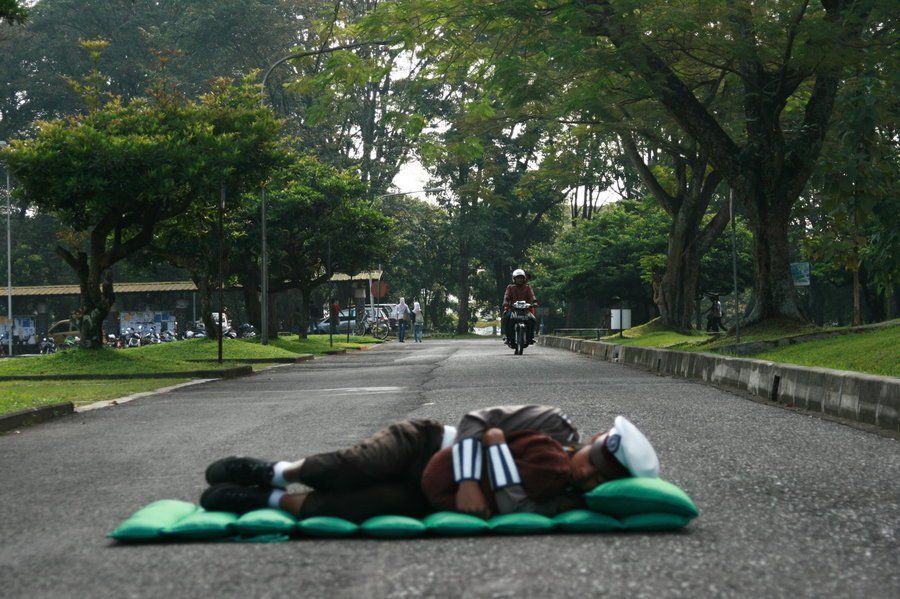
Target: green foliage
[420,266]
[600,259]
[318,224]
[12,12]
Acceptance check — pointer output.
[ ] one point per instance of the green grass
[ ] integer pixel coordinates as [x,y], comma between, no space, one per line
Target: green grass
[652,334]
[767,330]
[164,357]
[875,352]
[18,395]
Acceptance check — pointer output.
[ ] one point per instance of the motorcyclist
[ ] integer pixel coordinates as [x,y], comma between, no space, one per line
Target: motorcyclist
[519,290]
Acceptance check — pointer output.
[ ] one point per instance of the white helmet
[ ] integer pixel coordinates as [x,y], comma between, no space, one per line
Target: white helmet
[519,273]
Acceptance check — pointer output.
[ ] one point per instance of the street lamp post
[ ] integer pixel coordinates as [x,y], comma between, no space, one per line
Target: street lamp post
[9,313]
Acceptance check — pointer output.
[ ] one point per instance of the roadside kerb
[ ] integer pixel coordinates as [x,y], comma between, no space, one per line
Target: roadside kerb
[284,360]
[35,415]
[854,396]
[225,373]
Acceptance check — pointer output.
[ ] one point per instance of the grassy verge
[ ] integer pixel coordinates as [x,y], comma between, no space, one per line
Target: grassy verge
[164,357]
[768,330]
[875,352]
[652,334]
[18,395]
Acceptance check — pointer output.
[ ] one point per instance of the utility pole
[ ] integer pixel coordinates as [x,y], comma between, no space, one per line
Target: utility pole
[221,268]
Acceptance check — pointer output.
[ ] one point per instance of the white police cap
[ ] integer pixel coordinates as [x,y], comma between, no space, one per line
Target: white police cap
[632,449]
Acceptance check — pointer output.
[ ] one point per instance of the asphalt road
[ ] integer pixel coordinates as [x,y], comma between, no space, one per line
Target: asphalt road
[792,505]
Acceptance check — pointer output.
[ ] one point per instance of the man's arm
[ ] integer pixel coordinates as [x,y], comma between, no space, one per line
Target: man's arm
[504,474]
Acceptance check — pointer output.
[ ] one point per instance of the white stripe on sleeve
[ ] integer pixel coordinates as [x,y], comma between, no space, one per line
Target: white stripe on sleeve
[510,465]
[467,460]
[498,476]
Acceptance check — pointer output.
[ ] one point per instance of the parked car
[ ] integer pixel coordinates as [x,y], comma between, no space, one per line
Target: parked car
[60,330]
[347,319]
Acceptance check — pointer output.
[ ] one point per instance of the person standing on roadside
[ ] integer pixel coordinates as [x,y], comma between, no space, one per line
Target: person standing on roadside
[417,322]
[402,314]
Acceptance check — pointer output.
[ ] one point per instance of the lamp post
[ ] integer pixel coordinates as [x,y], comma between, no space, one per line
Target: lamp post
[9,313]
[264,251]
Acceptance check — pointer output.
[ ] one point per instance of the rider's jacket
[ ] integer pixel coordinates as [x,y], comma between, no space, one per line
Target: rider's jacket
[515,293]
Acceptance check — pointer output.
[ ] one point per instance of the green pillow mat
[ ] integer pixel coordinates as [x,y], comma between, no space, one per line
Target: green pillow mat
[631,504]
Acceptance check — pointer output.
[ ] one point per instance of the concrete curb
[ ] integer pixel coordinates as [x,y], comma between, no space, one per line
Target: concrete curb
[287,360]
[125,399]
[225,373]
[31,416]
[854,396]
[335,352]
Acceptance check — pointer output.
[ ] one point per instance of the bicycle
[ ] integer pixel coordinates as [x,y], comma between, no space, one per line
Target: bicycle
[380,329]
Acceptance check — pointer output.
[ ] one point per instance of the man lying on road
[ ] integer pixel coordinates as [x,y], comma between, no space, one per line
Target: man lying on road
[499,460]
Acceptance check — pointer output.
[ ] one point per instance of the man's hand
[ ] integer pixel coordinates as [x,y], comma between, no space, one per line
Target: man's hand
[493,436]
[470,500]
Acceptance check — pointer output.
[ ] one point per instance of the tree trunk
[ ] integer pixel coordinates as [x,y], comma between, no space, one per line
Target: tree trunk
[204,290]
[678,285]
[462,288]
[857,312]
[96,301]
[774,294]
[304,313]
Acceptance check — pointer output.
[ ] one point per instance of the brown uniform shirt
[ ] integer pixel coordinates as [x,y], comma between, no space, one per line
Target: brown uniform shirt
[515,293]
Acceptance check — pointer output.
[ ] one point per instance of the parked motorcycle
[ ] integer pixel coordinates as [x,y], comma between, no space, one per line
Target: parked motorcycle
[246,331]
[519,317]
[48,345]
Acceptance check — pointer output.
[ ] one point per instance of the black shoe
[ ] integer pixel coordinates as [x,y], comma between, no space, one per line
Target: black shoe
[235,498]
[243,471]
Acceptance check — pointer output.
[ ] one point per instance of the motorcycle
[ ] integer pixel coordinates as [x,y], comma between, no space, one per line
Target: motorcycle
[519,315]
[48,345]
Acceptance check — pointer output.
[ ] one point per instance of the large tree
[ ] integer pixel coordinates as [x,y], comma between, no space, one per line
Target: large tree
[786,60]
[115,174]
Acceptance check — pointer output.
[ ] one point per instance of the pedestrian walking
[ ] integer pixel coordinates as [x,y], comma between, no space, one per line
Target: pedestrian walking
[417,322]
[402,314]
[714,314]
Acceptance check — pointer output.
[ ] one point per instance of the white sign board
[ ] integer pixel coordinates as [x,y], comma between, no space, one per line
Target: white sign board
[621,319]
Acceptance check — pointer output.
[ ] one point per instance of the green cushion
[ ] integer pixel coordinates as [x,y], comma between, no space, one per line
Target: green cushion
[147,523]
[326,526]
[628,496]
[203,525]
[266,521]
[654,522]
[520,524]
[392,527]
[586,521]
[455,524]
